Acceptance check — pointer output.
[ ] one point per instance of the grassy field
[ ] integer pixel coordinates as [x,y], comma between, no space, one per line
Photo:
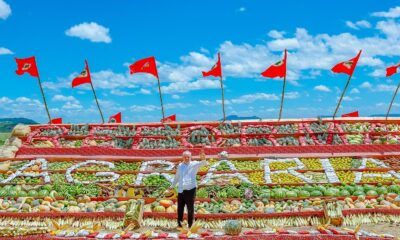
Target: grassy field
[3,137]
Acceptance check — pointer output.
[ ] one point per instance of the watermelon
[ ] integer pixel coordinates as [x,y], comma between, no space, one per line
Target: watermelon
[382,190]
[344,193]
[358,193]
[12,193]
[291,194]
[7,187]
[279,193]
[232,227]
[358,188]
[331,192]
[320,188]
[33,193]
[47,187]
[316,193]
[368,187]
[308,188]
[304,194]
[372,193]
[393,188]
[349,188]
[18,188]
[43,193]
[22,194]
[3,193]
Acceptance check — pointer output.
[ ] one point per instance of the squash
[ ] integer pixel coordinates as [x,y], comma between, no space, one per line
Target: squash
[233,227]
[159,209]
[166,203]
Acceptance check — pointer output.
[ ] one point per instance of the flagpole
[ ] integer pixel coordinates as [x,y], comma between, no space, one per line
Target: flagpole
[341,97]
[159,91]
[44,99]
[283,96]
[97,102]
[394,96]
[223,98]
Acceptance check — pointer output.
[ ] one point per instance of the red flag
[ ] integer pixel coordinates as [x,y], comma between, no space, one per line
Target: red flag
[83,78]
[347,67]
[352,114]
[56,121]
[391,70]
[145,65]
[27,65]
[171,118]
[216,70]
[115,118]
[276,70]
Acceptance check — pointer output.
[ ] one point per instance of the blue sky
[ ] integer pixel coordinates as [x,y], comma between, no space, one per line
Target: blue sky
[185,37]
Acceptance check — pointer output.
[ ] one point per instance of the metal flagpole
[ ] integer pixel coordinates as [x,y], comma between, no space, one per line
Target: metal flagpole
[159,91]
[223,98]
[341,97]
[44,99]
[98,106]
[283,96]
[394,96]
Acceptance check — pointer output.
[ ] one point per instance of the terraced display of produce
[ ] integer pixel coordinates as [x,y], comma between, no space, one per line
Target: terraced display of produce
[265,196]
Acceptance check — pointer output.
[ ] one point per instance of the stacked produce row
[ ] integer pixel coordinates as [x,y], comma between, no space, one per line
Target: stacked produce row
[175,136]
[259,193]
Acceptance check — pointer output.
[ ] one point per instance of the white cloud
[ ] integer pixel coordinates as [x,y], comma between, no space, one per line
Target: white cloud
[177,105]
[62,98]
[5,100]
[276,34]
[392,13]
[366,85]
[90,31]
[378,87]
[145,91]
[208,102]
[249,98]
[143,108]
[281,44]
[359,24]
[242,9]
[182,87]
[5,51]
[72,105]
[354,91]
[322,88]
[390,28]
[175,96]
[292,95]
[5,10]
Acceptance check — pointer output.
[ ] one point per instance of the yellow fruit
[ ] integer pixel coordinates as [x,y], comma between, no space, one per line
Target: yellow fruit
[130,193]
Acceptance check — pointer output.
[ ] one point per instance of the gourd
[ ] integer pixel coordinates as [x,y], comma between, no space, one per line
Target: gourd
[232,227]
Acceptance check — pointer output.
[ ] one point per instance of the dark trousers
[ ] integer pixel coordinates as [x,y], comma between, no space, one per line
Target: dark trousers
[186,198]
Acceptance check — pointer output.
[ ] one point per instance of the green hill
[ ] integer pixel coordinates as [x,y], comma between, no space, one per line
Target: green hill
[7,124]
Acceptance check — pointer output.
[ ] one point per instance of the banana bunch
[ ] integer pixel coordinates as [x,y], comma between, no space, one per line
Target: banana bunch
[353,220]
[160,222]
[28,222]
[316,221]
[21,231]
[334,210]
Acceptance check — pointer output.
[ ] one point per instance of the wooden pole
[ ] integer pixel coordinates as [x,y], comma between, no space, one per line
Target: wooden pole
[97,102]
[341,97]
[394,96]
[161,102]
[44,99]
[283,96]
[223,99]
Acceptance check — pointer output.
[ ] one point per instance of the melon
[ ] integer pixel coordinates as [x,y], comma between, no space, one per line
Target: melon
[344,193]
[291,194]
[372,193]
[316,193]
[159,209]
[304,194]
[382,190]
[279,193]
[358,193]
[308,188]
[233,227]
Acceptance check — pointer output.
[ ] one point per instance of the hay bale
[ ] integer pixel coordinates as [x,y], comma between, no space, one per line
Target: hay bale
[13,141]
[21,130]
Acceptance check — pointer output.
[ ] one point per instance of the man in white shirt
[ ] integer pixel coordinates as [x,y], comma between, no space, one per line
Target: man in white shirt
[185,177]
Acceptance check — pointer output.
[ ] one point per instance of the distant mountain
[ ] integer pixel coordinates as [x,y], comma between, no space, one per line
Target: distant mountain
[7,124]
[236,117]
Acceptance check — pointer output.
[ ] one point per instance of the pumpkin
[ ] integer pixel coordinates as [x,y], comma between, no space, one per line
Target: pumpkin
[166,203]
[159,209]
[232,227]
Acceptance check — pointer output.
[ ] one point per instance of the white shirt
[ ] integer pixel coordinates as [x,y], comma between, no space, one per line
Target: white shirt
[185,175]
